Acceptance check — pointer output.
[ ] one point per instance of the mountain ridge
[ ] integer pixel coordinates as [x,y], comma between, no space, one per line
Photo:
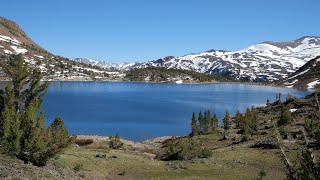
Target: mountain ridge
[266,61]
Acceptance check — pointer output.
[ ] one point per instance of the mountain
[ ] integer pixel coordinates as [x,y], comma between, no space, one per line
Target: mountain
[308,76]
[13,40]
[105,65]
[267,61]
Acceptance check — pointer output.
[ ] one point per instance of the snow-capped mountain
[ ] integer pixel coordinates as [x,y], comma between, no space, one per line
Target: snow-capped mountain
[105,65]
[267,61]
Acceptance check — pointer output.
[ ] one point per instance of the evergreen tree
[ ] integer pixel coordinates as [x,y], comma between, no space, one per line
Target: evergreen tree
[22,126]
[194,125]
[279,97]
[215,121]
[255,123]
[18,71]
[201,122]
[246,122]
[59,137]
[285,116]
[211,124]
[308,168]
[238,119]
[207,122]
[226,123]
[10,133]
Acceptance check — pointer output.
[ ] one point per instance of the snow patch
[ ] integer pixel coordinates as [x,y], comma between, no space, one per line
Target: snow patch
[19,50]
[293,110]
[312,84]
[7,52]
[303,72]
[9,39]
[41,57]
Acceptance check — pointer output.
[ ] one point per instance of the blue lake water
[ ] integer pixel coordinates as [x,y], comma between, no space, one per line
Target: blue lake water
[139,111]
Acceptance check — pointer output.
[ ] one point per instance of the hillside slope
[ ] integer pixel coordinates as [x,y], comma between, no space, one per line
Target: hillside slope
[13,40]
[308,76]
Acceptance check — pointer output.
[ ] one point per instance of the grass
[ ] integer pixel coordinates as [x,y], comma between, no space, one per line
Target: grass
[228,162]
[239,162]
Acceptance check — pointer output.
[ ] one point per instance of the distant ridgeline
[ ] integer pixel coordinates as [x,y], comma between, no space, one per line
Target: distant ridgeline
[160,74]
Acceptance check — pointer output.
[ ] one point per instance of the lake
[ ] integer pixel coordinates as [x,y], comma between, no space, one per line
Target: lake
[138,111]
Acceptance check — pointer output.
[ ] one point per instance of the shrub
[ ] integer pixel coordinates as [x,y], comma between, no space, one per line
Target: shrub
[184,149]
[83,142]
[115,142]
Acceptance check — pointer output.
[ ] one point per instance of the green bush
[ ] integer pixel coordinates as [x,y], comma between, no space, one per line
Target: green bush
[184,149]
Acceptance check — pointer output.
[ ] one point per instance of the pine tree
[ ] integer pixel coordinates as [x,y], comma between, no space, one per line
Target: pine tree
[194,125]
[246,122]
[238,119]
[18,71]
[207,122]
[254,123]
[226,123]
[10,133]
[22,126]
[59,136]
[215,121]
[285,116]
[211,124]
[201,122]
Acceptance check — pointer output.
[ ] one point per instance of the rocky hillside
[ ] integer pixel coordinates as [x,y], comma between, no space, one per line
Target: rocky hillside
[308,76]
[267,61]
[13,40]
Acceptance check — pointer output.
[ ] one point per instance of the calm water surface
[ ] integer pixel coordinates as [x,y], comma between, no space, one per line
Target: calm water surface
[138,111]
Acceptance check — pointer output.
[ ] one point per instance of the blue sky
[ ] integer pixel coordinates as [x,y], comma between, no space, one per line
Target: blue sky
[140,30]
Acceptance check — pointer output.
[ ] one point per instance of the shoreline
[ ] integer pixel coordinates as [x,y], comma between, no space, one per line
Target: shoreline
[154,82]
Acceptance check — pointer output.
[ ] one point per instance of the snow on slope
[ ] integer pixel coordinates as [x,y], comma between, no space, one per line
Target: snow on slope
[261,62]
[306,76]
[267,61]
